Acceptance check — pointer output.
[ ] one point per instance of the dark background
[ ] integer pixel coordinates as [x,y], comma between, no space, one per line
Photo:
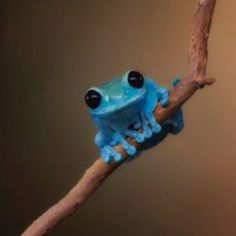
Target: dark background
[52,51]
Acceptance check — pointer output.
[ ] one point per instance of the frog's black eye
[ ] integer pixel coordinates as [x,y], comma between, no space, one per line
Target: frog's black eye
[135,79]
[93,98]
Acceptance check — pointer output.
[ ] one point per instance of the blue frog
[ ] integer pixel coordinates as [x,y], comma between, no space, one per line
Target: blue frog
[124,108]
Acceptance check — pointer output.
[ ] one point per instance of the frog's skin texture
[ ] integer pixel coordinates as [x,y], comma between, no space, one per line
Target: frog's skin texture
[123,107]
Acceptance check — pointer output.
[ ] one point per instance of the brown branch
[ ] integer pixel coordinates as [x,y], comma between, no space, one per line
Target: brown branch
[99,171]
[197,57]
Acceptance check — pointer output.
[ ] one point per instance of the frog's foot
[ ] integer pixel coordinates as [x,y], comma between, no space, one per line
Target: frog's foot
[163,96]
[139,137]
[119,138]
[156,128]
[108,153]
[147,131]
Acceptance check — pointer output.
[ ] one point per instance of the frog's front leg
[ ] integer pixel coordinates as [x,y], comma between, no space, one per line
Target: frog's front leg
[148,117]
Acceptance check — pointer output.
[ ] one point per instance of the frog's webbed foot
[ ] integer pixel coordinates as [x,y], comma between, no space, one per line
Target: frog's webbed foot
[139,137]
[119,138]
[146,130]
[108,153]
[156,128]
[149,124]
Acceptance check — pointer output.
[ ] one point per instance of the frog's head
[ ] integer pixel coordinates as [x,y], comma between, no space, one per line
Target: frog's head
[119,94]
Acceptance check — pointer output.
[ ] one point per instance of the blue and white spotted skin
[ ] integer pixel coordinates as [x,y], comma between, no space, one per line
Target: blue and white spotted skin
[125,105]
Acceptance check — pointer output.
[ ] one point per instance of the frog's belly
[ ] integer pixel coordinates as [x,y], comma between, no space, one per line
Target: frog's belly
[123,118]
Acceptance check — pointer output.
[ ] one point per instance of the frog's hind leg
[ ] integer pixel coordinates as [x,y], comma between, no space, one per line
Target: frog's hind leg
[177,122]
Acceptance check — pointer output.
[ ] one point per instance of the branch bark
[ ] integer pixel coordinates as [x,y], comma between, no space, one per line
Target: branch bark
[99,171]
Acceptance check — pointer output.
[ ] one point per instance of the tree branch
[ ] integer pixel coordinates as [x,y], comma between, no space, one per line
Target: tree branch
[99,171]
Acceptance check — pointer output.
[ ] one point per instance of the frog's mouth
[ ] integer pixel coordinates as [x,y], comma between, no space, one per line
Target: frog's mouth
[132,106]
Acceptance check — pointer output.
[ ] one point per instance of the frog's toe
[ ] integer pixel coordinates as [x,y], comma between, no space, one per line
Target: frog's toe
[106,155]
[107,158]
[139,137]
[147,132]
[156,128]
[130,149]
[118,157]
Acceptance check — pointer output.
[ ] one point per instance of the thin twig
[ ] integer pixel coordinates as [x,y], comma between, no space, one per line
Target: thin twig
[99,171]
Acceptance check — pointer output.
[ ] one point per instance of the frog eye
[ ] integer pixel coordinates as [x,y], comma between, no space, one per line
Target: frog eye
[93,98]
[135,79]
